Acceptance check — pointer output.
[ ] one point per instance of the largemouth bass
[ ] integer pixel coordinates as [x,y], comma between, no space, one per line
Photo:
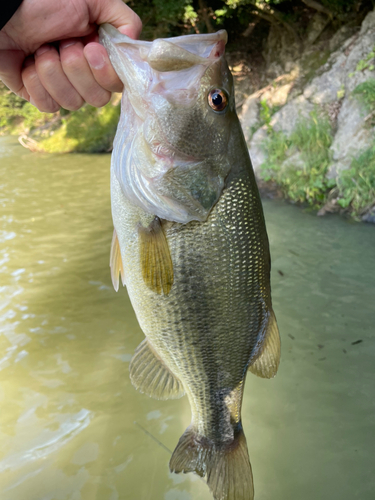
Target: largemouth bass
[191,245]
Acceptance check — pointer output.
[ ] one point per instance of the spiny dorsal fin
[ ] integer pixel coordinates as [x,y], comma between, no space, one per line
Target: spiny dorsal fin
[115,263]
[267,363]
[156,261]
[149,375]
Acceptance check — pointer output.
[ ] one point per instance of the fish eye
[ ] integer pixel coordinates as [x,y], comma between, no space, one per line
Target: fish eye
[217,99]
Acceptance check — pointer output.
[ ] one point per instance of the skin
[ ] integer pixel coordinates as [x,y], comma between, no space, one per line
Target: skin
[74,69]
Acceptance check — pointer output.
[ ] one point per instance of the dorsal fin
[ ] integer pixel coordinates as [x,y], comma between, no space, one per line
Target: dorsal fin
[156,261]
[115,263]
[267,363]
[151,376]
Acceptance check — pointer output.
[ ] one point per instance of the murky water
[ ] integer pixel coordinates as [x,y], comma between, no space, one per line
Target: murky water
[71,425]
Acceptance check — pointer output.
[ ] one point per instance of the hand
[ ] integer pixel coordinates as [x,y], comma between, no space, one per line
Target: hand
[75,68]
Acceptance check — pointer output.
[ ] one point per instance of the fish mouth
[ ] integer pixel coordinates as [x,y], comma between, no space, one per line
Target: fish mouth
[152,160]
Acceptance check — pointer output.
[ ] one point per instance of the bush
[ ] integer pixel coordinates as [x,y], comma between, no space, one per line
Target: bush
[88,130]
[311,138]
[16,113]
[365,92]
[357,185]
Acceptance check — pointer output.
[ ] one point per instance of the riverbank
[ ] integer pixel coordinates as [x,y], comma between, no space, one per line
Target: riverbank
[88,130]
[316,141]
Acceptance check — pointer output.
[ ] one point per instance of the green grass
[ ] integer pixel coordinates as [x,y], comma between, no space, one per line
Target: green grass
[357,184]
[311,138]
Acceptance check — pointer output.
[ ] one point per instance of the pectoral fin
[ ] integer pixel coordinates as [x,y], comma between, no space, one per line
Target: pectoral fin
[156,261]
[149,375]
[267,363]
[115,263]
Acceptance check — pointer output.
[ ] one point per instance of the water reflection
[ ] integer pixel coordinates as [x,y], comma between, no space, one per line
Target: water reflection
[72,426]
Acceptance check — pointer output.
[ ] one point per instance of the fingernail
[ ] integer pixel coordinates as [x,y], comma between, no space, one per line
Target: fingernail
[67,43]
[95,59]
[42,50]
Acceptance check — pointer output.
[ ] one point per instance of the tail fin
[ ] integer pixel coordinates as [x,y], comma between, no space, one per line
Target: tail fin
[227,467]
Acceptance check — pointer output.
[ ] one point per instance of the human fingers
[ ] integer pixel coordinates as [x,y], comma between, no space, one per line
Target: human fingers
[101,67]
[39,96]
[52,77]
[117,13]
[78,72]
[10,71]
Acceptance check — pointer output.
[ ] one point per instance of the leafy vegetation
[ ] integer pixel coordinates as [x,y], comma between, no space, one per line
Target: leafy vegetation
[17,114]
[87,130]
[170,17]
[357,184]
[366,93]
[366,63]
[299,163]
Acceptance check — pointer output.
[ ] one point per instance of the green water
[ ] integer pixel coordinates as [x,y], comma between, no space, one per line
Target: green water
[71,425]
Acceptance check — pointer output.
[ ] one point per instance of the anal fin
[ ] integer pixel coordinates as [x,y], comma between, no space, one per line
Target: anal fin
[156,261]
[151,376]
[115,263]
[267,364]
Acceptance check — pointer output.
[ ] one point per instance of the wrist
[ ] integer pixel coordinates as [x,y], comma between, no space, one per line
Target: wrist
[6,42]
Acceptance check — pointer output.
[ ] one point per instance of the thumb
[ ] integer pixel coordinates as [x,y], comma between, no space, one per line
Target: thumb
[117,13]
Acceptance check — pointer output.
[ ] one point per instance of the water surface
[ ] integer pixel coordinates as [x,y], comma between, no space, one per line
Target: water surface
[72,427]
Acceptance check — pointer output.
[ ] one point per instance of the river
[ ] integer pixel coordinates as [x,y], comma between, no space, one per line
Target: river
[72,427]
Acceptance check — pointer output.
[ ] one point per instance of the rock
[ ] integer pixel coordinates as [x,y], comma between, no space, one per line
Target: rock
[359,51]
[341,36]
[315,27]
[370,216]
[256,150]
[339,73]
[286,119]
[368,22]
[277,96]
[249,116]
[351,137]
[338,166]
[324,88]
[295,161]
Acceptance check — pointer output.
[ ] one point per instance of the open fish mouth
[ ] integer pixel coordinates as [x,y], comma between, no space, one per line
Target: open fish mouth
[170,54]
[169,152]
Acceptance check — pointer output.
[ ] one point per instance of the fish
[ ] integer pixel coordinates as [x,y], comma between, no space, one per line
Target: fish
[190,243]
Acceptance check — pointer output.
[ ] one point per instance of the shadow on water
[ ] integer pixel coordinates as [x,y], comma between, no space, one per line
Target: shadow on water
[73,427]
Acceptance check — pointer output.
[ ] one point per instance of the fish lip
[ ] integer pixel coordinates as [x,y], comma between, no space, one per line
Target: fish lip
[109,34]
[107,30]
